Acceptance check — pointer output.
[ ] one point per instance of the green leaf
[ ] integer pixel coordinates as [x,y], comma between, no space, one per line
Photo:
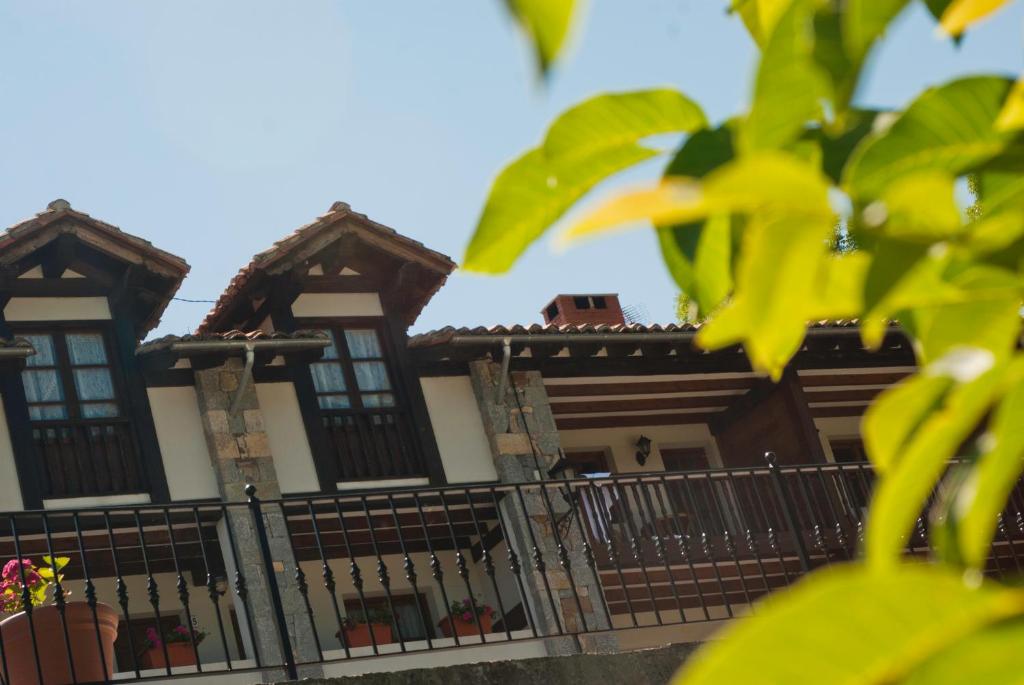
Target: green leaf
[849,625]
[994,477]
[760,16]
[837,146]
[529,196]
[790,86]
[990,656]
[547,23]
[901,493]
[865,21]
[896,414]
[584,146]
[948,129]
[937,7]
[699,257]
[1000,191]
[612,120]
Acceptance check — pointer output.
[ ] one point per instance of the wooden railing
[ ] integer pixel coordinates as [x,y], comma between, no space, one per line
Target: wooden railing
[372,444]
[87,457]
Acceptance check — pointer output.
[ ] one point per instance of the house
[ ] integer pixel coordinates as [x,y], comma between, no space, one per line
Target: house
[596,484]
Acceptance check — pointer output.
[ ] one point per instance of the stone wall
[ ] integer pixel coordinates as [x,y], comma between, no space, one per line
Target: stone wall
[561,585]
[646,667]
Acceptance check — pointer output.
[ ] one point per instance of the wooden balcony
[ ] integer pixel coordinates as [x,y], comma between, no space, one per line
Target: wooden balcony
[373,444]
[87,457]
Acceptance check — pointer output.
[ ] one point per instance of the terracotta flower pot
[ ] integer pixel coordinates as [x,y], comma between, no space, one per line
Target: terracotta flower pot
[86,654]
[465,628]
[359,635]
[180,654]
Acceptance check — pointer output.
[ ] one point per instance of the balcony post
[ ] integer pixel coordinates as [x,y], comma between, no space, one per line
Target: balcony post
[240,454]
[524,445]
[788,511]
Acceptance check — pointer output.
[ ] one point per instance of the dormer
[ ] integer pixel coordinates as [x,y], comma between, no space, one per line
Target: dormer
[362,284]
[82,293]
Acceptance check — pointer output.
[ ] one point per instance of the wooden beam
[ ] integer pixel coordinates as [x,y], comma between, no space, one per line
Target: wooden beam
[845,410]
[647,387]
[840,378]
[844,395]
[586,422]
[653,404]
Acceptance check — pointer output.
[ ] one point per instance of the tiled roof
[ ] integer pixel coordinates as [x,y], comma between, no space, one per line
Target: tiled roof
[60,209]
[445,335]
[228,336]
[265,260]
[16,240]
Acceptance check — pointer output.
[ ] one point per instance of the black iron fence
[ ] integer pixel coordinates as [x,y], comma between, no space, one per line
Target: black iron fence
[206,588]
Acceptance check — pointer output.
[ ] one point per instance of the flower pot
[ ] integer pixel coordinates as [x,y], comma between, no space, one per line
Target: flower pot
[92,654]
[359,635]
[180,654]
[465,628]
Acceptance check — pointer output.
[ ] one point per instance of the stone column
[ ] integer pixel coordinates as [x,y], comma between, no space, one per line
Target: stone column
[240,454]
[524,445]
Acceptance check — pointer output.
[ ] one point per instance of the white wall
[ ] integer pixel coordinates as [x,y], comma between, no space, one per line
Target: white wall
[458,429]
[56,308]
[10,492]
[337,304]
[293,459]
[622,443]
[179,430]
[832,427]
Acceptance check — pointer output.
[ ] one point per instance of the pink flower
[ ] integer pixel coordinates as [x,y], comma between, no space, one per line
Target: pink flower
[467,617]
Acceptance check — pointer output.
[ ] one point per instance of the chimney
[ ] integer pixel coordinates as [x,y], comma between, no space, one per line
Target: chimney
[584,309]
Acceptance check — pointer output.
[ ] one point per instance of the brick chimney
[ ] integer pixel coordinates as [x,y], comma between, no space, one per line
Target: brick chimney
[584,309]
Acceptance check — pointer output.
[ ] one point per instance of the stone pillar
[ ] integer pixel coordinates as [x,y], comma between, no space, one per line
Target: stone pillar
[524,445]
[240,454]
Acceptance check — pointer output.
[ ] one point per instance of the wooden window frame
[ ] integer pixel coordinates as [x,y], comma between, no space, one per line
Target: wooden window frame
[337,328]
[58,330]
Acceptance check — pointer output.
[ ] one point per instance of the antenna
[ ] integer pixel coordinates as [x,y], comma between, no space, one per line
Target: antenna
[636,313]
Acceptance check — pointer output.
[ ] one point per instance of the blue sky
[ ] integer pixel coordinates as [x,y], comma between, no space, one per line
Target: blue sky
[213,128]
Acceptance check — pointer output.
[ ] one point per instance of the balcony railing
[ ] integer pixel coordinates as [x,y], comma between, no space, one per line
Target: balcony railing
[87,457]
[525,560]
[373,443]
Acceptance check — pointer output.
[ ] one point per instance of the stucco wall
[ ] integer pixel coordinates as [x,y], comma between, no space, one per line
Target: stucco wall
[458,429]
[621,443]
[179,430]
[10,493]
[56,308]
[289,445]
[337,304]
[832,427]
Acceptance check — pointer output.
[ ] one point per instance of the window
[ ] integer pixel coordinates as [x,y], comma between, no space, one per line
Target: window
[69,377]
[352,372]
[552,311]
[848,450]
[599,302]
[410,613]
[587,462]
[581,302]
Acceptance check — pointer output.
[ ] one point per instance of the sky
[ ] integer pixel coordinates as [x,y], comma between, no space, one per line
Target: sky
[214,128]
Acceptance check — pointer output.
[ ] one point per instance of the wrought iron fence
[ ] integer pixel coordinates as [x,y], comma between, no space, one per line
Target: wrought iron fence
[287,583]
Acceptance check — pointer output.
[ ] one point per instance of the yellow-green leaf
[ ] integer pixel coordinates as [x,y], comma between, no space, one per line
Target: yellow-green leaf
[897,413]
[699,257]
[782,266]
[546,23]
[849,625]
[790,88]
[529,196]
[616,119]
[901,493]
[584,146]
[986,657]
[920,206]
[772,184]
[864,22]
[842,294]
[994,476]
[962,13]
[760,16]
[947,129]
[1011,117]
